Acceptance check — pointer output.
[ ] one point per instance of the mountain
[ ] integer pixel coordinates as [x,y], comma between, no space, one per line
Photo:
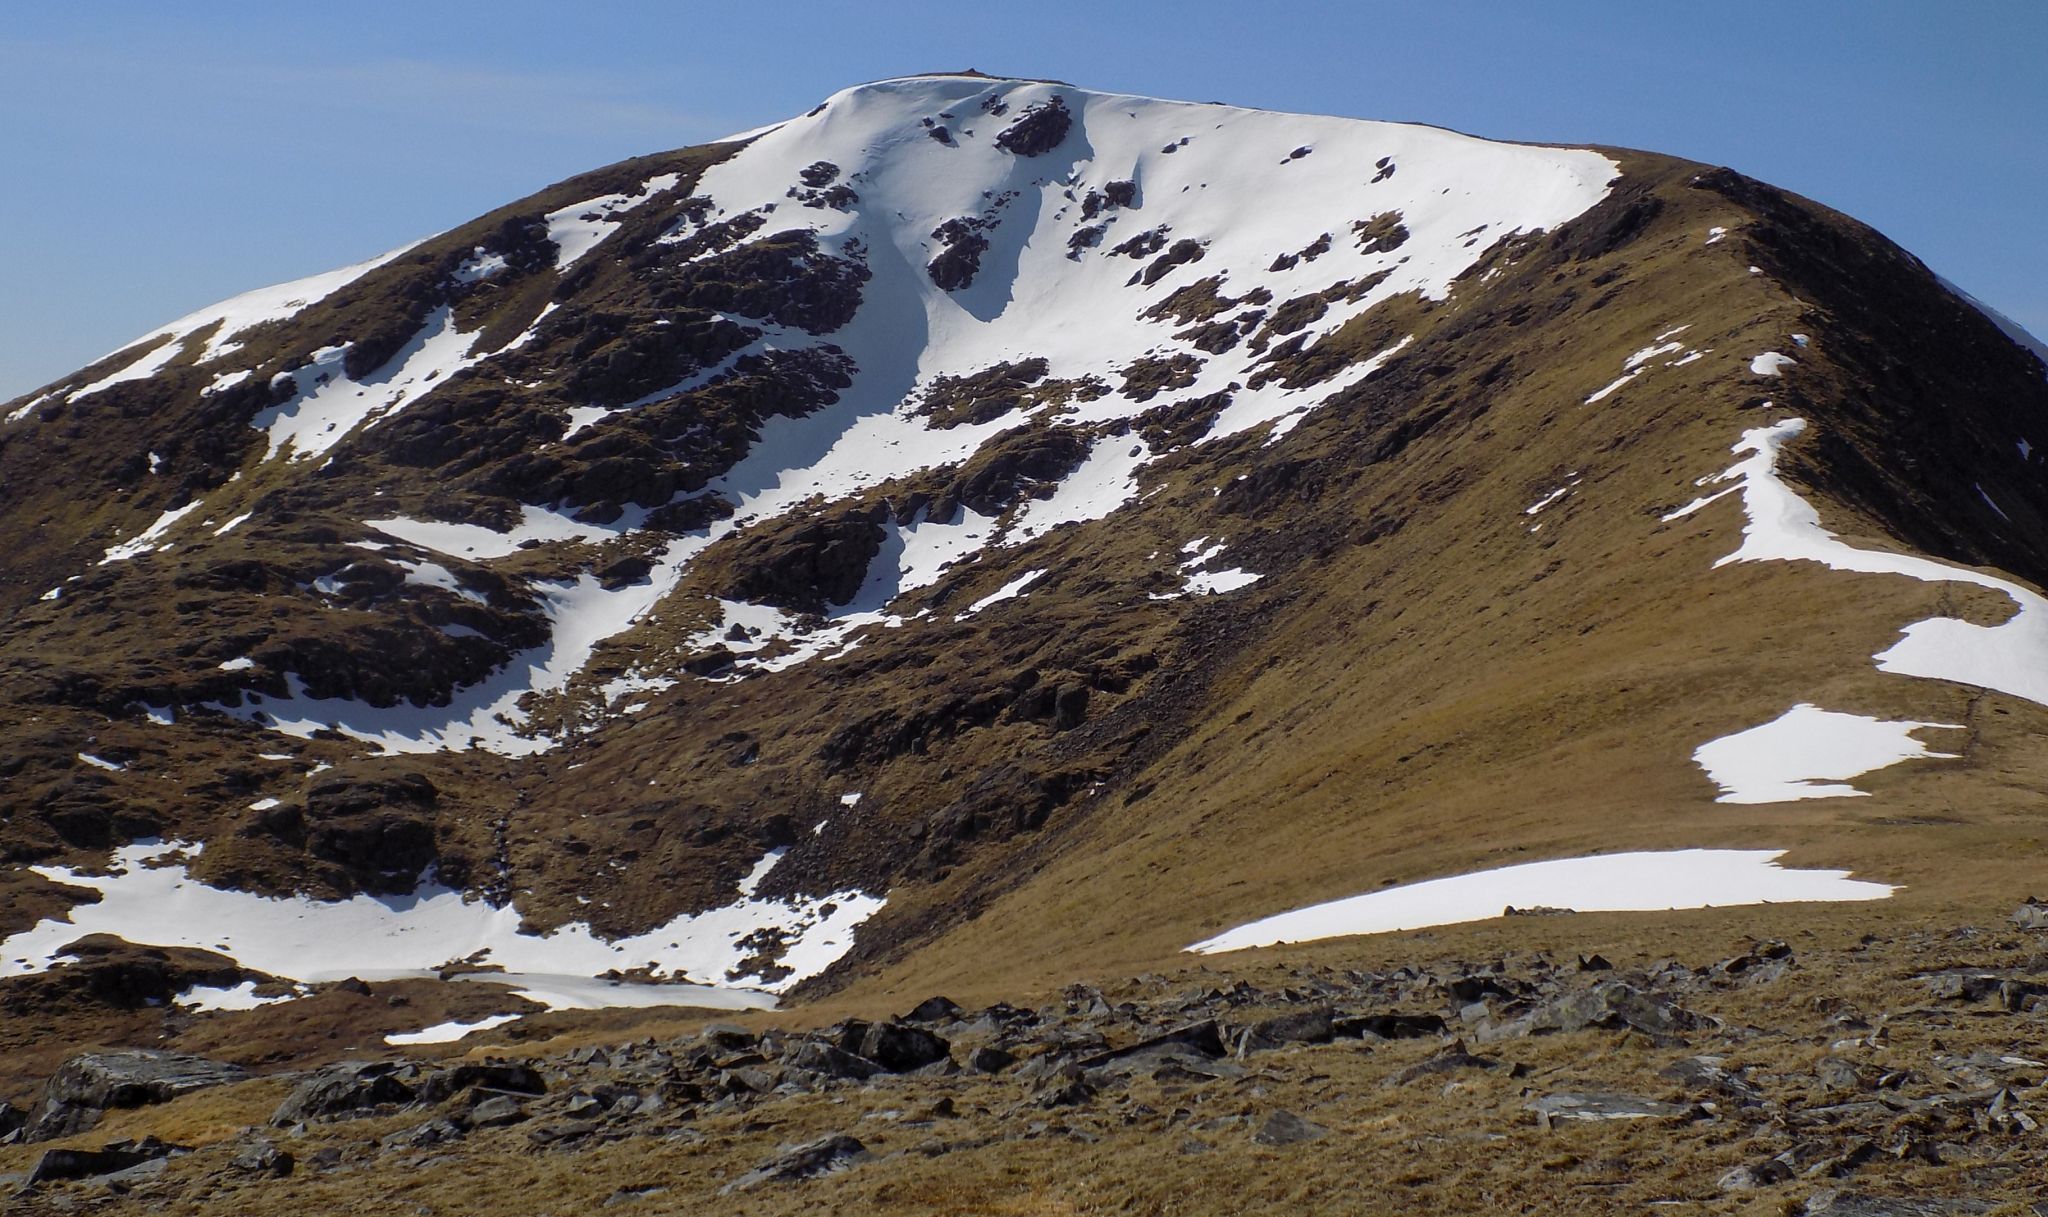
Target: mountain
[984,532]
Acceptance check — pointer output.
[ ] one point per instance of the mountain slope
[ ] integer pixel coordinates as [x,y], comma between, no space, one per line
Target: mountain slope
[985,530]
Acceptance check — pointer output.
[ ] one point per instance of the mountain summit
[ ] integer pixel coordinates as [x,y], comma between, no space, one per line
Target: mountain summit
[986,531]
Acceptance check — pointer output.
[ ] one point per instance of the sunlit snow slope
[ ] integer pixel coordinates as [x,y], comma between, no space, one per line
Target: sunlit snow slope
[1053,223]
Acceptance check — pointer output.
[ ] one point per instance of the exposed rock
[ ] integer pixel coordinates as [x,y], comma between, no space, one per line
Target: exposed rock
[513,1077]
[2033,915]
[86,1086]
[933,1010]
[834,1062]
[1286,1128]
[1861,1204]
[899,1048]
[346,1087]
[1599,1105]
[496,1111]
[262,1158]
[1452,1059]
[1038,130]
[808,1161]
[60,1164]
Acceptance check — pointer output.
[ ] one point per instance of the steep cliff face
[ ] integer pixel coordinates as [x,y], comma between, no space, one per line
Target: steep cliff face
[992,528]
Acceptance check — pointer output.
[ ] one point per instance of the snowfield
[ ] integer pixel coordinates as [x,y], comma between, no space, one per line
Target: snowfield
[148,897]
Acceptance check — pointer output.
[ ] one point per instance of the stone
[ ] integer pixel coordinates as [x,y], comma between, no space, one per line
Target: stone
[497,1111]
[1862,1204]
[1450,1060]
[1286,1128]
[59,1164]
[1711,1073]
[85,1086]
[807,1161]
[262,1158]
[1614,1005]
[341,1088]
[833,1062]
[933,1010]
[1601,1105]
[1387,1026]
[987,1059]
[2033,915]
[1299,1027]
[900,1048]
[444,1084]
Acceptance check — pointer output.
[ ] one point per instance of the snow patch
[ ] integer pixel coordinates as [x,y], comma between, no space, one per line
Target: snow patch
[448,1032]
[149,898]
[1627,882]
[1779,526]
[1809,753]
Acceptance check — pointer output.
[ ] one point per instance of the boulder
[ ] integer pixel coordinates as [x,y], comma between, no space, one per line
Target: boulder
[85,1086]
[833,1062]
[899,1047]
[511,1077]
[342,1088]
[933,1010]
[1300,1027]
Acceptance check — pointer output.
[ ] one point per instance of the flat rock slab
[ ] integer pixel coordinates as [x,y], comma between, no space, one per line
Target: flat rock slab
[1286,1128]
[806,1161]
[1596,1105]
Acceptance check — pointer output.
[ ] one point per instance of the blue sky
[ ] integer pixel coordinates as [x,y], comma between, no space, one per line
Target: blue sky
[163,156]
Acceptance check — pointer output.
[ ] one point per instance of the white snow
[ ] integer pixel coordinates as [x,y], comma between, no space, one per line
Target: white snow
[100,762]
[578,228]
[1106,480]
[850,799]
[243,996]
[2011,656]
[448,1032]
[146,540]
[1715,235]
[480,265]
[328,406]
[263,804]
[1809,753]
[148,897]
[236,315]
[1079,313]
[1537,507]
[1770,363]
[480,544]
[1606,391]
[1199,582]
[1013,588]
[233,524]
[1627,882]
[241,663]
